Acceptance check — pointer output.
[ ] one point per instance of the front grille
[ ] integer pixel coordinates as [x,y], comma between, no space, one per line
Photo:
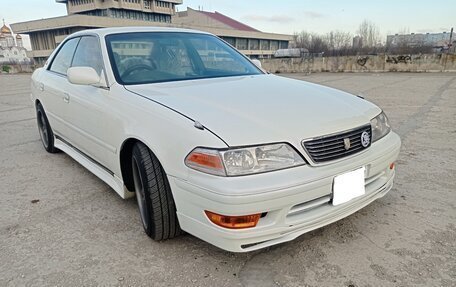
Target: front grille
[332,147]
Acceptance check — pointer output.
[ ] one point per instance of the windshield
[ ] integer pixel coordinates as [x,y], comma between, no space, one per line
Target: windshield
[152,57]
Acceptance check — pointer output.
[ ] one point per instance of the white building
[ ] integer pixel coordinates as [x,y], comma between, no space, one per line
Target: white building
[419,40]
[46,34]
[12,50]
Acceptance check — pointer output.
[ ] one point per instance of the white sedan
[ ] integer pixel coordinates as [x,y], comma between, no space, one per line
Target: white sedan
[207,141]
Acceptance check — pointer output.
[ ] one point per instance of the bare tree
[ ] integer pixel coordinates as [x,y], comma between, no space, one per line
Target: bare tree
[318,44]
[338,40]
[370,33]
[310,41]
[302,39]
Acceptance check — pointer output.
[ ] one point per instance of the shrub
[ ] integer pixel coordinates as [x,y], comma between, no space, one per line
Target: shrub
[6,68]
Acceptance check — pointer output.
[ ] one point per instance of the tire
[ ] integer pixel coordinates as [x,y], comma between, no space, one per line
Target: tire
[45,130]
[153,193]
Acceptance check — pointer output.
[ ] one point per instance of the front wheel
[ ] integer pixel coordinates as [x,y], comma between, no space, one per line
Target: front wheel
[153,193]
[46,134]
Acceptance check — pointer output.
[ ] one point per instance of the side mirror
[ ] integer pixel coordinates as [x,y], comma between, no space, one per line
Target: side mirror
[83,76]
[257,63]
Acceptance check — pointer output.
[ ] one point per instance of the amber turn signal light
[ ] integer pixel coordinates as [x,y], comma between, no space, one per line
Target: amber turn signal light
[234,222]
[392,165]
[206,160]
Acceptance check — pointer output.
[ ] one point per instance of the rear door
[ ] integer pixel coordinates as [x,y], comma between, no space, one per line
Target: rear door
[54,87]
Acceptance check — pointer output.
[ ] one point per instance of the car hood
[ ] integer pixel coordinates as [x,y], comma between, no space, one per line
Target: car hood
[260,109]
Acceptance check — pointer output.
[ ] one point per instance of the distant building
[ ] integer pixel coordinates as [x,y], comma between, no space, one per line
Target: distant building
[145,10]
[11,47]
[46,34]
[248,40]
[419,40]
[357,42]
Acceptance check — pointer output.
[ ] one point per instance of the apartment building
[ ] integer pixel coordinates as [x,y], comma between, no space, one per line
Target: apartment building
[418,40]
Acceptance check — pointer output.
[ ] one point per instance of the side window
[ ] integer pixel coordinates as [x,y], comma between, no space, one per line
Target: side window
[62,60]
[88,54]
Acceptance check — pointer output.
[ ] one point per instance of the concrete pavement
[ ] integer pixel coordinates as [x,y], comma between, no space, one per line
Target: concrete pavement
[62,226]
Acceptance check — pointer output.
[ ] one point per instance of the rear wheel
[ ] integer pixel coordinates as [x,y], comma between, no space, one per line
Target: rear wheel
[46,134]
[153,193]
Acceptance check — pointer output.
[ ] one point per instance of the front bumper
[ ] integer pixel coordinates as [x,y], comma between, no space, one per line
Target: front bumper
[296,200]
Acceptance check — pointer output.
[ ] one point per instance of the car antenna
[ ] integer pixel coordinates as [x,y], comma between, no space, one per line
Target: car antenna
[198,125]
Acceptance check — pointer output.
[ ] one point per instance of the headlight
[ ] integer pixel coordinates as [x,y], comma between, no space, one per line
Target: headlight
[380,127]
[244,161]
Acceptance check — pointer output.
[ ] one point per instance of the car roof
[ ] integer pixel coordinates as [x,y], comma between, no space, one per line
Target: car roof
[134,29]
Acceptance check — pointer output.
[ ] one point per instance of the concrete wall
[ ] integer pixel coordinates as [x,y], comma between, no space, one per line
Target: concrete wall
[380,63]
[17,68]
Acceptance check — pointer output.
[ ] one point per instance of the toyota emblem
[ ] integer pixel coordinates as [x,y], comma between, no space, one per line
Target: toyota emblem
[365,139]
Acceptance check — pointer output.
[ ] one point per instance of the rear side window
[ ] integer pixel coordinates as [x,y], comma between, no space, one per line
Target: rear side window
[88,54]
[62,60]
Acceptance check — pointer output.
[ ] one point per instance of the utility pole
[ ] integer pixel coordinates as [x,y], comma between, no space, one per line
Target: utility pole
[450,44]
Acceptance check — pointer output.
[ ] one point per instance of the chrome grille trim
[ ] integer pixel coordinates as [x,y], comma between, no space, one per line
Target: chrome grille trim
[331,147]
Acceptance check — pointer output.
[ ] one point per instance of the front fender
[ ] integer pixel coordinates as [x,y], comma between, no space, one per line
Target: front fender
[168,134]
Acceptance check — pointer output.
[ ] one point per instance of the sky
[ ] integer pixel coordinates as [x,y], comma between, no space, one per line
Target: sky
[289,16]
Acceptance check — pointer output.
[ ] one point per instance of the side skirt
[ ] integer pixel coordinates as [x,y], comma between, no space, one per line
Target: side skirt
[94,167]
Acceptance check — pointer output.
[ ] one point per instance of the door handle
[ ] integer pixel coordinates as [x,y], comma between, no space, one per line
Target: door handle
[66,98]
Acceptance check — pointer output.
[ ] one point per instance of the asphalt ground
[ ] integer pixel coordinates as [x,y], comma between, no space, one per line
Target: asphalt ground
[62,226]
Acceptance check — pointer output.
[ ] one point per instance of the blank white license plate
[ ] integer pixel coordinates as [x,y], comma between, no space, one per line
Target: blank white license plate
[348,186]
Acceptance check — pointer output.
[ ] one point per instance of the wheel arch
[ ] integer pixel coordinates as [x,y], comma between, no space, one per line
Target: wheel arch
[125,155]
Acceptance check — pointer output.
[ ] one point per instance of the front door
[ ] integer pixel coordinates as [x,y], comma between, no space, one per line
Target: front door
[93,123]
